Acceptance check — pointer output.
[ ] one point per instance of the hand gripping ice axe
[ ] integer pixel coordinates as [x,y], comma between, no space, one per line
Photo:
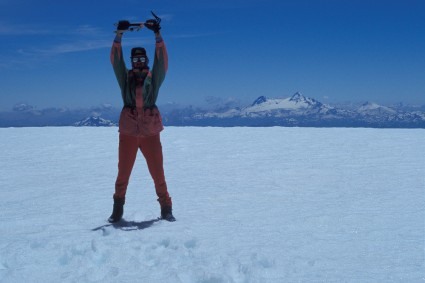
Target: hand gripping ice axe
[125,25]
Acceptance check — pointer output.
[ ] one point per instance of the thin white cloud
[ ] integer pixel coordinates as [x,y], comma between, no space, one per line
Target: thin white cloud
[87,30]
[83,45]
[195,35]
[72,47]
[17,30]
[20,29]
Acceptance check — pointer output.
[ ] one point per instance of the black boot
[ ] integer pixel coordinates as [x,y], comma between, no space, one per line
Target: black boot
[167,214]
[118,210]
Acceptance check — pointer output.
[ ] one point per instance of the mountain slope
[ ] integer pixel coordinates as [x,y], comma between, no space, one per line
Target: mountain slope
[94,121]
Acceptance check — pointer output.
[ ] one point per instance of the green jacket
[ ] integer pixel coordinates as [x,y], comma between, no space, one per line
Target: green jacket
[153,80]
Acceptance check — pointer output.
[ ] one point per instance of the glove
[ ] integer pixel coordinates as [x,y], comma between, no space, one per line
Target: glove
[123,26]
[153,25]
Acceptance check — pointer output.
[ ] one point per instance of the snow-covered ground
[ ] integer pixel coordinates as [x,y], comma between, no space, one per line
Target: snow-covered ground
[252,205]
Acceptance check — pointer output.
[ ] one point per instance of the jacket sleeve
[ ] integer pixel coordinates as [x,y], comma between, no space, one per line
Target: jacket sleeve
[118,63]
[159,69]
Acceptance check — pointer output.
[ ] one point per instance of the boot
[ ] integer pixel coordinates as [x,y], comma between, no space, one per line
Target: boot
[118,210]
[167,214]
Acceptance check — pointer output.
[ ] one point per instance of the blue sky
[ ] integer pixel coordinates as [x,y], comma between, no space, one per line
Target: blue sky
[56,53]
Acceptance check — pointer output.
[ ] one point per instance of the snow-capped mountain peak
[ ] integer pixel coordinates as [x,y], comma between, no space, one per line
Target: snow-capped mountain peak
[374,107]
[259,100]
[299,98]
[296,102]
[94,121]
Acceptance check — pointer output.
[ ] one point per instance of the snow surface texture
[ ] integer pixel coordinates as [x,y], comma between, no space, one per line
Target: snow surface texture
[252,205]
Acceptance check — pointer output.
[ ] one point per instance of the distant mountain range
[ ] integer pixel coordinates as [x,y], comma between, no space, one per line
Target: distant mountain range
[24,115]
[296,110]
[299,110]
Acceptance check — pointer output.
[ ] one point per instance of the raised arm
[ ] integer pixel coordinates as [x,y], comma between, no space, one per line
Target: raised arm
[117,60]
[160,63]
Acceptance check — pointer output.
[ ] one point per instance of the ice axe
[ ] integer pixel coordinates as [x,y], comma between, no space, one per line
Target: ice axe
[125,25]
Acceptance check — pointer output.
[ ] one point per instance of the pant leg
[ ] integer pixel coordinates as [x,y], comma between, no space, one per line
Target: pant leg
[152,151]
[127,153]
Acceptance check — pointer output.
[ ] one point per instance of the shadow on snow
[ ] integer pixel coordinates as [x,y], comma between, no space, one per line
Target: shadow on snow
[128,225]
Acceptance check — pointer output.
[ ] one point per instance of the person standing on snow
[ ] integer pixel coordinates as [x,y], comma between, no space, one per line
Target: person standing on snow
[140,122]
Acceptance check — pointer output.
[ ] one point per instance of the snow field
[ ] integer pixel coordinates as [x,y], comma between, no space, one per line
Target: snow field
[252,205]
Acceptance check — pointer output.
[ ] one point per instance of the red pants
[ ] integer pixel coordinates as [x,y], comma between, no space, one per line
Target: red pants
[151,149]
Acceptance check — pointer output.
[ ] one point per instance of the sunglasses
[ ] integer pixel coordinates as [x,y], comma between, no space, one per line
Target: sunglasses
[138,59]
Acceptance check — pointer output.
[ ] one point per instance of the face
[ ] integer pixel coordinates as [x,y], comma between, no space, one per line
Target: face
[138,62]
